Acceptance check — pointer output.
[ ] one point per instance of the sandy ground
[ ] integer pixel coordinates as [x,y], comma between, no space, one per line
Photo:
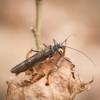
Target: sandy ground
[60,18]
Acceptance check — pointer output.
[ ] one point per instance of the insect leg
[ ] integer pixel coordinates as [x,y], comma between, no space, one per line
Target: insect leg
[35,50]
[28,53]
[59,52]
[53,62]
[45,45]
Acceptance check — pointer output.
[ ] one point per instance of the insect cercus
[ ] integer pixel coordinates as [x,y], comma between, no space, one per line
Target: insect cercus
[40,56]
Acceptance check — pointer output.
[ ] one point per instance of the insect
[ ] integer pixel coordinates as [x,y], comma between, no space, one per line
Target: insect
[41,56]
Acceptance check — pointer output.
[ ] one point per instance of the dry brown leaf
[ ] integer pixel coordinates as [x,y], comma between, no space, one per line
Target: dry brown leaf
[45,67]
[55,84]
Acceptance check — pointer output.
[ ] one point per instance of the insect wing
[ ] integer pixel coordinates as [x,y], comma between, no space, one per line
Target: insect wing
[21,67]
[28,63]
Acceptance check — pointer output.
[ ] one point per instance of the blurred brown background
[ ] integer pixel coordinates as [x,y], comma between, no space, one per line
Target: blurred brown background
[60,18]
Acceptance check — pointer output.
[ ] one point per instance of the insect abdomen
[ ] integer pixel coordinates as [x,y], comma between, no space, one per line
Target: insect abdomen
[32,61]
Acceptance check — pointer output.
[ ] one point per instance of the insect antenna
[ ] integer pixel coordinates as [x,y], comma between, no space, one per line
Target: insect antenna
[82,53]
[69,37]
[55,41]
